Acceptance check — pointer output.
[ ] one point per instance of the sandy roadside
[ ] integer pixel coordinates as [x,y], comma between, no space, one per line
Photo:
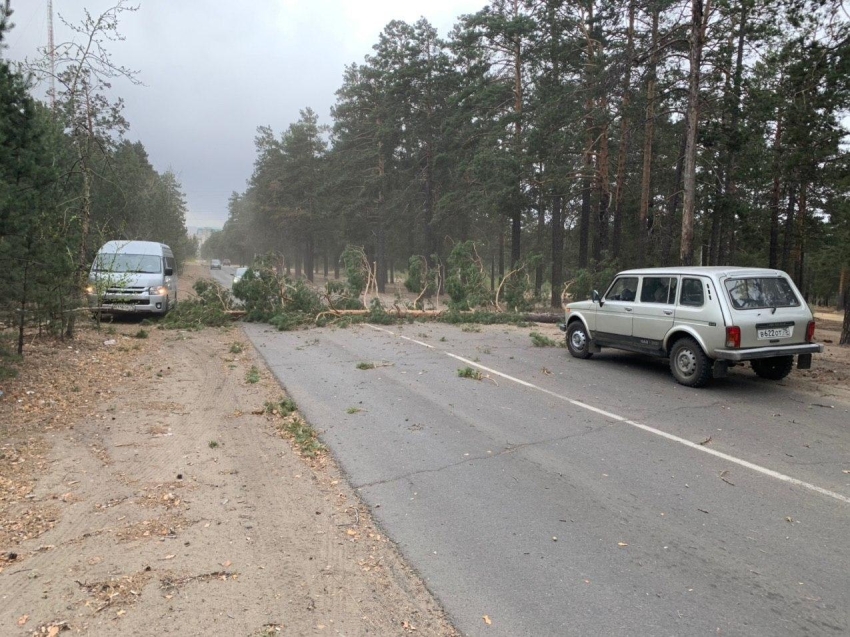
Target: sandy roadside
[162,500]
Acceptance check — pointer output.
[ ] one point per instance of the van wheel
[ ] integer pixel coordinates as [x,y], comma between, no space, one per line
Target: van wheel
[775,368]
[578,342]
[689,364]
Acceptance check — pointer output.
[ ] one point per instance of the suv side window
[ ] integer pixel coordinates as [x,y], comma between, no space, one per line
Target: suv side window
[692,294]
[657,289]
[622,289]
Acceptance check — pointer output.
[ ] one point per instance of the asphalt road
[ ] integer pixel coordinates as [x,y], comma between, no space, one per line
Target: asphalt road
[224,276]
[565,497]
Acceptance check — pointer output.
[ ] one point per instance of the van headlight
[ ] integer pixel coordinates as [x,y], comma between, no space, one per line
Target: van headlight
[158,291]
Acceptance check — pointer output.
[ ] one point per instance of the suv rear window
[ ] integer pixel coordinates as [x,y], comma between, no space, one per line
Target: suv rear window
[759,293]
[691,293]
[658,290]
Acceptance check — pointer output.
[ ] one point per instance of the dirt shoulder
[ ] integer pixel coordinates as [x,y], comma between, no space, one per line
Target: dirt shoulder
[144,490]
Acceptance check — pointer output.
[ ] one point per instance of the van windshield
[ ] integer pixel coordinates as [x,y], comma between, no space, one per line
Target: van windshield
[144,263]
[759,293]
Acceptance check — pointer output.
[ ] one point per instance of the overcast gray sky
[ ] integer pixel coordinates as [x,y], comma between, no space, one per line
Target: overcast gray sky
[215,70]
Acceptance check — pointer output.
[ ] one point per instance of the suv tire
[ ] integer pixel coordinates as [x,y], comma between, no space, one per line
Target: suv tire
[689,364]
[775,368]
[578,342]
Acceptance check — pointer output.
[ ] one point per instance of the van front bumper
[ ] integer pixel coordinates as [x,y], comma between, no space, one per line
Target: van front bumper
[133,304]
[767,352]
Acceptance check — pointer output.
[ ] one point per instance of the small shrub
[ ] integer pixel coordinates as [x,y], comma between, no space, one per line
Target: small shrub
[141,334]
[355,263]
[305,437]
[212,444]
[466,279]
[470,328]
[470,372]
[253,375]
[283,407]
[6,360]
[353,410]
[422,279]
[541,340]
[209,309]
[236,348]
[365,365]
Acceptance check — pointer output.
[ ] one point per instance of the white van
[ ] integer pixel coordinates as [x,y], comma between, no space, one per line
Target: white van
[133,277]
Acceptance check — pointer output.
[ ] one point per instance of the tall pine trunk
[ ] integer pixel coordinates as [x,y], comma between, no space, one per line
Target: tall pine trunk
[516,215]
[557,250]
[700,11]
[648,139]
[788,237]
[587,173]
[600,244]
[798,253]
[673,208]
[541,234]
[625,138]
[775,195]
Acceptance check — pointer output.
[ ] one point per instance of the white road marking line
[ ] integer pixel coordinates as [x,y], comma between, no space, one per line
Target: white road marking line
[607,414]
[412,340]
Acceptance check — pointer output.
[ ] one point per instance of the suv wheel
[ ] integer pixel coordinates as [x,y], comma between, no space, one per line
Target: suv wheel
[689,364]
[775,368]
[578,342]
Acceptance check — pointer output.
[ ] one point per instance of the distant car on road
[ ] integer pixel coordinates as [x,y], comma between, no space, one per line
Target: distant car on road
[704,319]
[240,272]
[215,264]
[225,262]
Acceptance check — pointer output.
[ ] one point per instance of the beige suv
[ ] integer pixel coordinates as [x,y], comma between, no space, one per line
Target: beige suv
[703,319]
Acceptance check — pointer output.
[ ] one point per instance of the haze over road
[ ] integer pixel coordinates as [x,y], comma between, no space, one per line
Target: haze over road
[561,497]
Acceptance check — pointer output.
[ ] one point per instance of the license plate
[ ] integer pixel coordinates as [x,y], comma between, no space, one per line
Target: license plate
[123,307]
[775,332]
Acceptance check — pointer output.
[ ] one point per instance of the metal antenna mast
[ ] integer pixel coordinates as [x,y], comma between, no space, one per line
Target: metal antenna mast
[51,51]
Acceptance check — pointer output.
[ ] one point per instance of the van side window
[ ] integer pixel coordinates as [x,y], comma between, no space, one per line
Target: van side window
[658,290]
[623,289]
[169,263]
[692,293]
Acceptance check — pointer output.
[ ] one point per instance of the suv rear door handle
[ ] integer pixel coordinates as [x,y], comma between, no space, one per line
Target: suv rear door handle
[668,312]
[627,309]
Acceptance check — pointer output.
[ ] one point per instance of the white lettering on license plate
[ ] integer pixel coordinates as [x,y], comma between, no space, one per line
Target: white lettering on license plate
[775,332]
[122,307]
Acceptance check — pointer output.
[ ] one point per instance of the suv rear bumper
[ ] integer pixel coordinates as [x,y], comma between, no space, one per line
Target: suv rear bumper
[767,352]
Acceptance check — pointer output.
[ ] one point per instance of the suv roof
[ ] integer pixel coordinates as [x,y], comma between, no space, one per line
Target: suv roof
[713,271]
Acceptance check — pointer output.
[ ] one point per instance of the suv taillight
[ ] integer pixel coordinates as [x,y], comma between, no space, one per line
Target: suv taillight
[733,336]
[810,332]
